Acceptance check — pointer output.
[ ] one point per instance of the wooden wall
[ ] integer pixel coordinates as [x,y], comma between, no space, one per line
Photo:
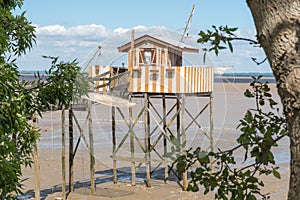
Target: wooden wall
[181,79]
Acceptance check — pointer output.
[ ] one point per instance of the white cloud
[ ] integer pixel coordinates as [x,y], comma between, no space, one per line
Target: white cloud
[119,31]
[50,30]
[80,30]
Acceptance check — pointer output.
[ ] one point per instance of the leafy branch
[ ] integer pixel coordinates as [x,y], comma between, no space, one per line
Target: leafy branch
[221,38]
[239,179]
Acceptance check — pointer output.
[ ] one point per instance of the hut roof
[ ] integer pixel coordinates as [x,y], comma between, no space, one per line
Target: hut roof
[163,42]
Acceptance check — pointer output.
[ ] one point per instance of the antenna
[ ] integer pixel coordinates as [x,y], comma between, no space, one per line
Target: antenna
[187,24]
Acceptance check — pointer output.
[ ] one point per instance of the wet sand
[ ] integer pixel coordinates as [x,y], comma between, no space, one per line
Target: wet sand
[229,106]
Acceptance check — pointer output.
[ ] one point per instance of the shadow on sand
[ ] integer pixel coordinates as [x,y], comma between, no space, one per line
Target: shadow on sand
[123,174]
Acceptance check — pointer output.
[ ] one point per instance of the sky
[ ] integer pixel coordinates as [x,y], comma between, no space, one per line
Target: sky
[73,29]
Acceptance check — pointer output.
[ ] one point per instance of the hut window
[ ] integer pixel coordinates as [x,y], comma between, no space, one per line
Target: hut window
[148,57]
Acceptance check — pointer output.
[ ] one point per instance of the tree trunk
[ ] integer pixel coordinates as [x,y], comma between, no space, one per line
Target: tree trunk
[278,32]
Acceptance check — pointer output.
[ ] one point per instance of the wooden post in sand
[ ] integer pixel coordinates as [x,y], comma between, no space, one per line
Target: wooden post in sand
[63,154]
[92,158]
[71,154]
[36,163]
[211,130]
[183,137]
[147,139]
[133,173]
[113,125]
[165,138]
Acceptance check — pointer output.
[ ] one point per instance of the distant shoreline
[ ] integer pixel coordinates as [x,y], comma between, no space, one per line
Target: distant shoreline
[241,79]
[225,78]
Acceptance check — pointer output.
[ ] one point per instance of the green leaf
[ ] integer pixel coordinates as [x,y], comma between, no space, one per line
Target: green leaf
[248,94]
[276,174]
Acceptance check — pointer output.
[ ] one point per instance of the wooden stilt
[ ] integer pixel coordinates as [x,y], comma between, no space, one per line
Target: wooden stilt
[113,121]
[178,148]
[63,153]
[178,120]
[36,164]
[211,130]
[133,171]
[92,158]
[183,137]
[71,155]
[147,139]
[165,138]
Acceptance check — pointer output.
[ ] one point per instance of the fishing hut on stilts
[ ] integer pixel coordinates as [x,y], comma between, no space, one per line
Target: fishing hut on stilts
[163,87]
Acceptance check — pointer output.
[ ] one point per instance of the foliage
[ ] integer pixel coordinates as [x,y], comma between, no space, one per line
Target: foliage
[16,33]
[17,136]
[221,38]
[261,130]
[19,101]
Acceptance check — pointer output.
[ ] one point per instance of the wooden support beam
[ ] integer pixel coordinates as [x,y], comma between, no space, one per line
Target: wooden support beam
[81,132]
[71,155]
[133,171]
[165,138]
[183,137]
[37,193]
[178,119]
[135,159]
[211,130]
[196,117]
[131,126]
[92,158]
[147,138]
[63,154]
[113,125]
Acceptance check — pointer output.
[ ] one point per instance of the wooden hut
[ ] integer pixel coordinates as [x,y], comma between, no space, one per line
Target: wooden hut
[155,71]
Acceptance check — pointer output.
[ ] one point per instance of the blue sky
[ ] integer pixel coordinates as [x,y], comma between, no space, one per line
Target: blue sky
[72,29]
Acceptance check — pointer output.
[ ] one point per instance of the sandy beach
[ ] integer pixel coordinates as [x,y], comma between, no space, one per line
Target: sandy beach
[229,106]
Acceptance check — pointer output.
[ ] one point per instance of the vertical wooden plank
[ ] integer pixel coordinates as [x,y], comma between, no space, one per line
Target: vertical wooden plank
[183,137]
[63,153]
[157,56]
[113,121]
[37,193]
[177,80]
[185,80]
[195,82]
[202,79]
[169,82]
[154,79]
[162,79]
[211,80]
[139,81]
[211,131]
[166,58]
[178,107]
[164,138]
[71,156]
[133,174]
[92,158]
[130,69]
[129,57]
[147,78]
[147,139]
[136,57]
[91,84]
[97,72]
